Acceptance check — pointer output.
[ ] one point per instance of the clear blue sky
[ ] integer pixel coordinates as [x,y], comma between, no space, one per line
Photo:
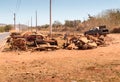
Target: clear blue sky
[61,10]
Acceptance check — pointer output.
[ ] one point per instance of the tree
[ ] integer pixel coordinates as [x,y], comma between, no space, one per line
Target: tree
[45,26]
[57,24]
[7,28]
[1,29]
[110,18]
[70,23]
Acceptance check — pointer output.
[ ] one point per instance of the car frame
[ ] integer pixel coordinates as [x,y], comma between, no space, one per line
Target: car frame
[101,30]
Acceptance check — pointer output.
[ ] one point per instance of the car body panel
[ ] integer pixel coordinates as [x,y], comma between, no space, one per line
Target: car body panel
[101,30]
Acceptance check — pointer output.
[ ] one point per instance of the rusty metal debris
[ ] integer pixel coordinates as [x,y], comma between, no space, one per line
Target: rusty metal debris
[84,42]
[34,41]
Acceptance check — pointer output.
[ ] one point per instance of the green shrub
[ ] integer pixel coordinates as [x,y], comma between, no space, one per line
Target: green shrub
[1,29]
[6,28]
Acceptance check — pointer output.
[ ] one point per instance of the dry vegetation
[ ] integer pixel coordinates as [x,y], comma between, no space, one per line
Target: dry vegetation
[96,65]
[110,18]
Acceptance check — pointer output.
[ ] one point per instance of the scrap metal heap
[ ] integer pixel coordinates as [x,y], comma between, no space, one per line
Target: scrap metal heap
[34,41]
[84,42]
[31,40]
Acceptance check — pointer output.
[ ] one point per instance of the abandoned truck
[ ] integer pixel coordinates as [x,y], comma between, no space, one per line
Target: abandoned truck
[101,30]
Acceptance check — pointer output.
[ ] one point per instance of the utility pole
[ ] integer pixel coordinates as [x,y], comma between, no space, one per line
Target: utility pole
[14,21]
[28,25]
[50,18]
[31,24]
[36,22]
[19,27]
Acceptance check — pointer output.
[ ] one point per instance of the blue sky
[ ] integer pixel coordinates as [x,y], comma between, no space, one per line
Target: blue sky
[61,10]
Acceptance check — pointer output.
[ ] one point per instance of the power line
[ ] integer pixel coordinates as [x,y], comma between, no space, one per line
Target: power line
[18,4]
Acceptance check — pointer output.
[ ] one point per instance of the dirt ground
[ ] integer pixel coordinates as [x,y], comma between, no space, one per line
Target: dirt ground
[96,65]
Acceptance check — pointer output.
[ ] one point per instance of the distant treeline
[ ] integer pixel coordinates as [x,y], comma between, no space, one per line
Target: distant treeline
[110,18]
[6,28]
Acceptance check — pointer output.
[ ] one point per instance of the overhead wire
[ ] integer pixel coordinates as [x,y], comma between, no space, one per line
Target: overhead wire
[18,4]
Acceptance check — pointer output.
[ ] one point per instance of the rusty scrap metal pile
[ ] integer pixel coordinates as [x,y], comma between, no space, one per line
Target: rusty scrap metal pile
[34,41]
[31,40]
[85,42]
